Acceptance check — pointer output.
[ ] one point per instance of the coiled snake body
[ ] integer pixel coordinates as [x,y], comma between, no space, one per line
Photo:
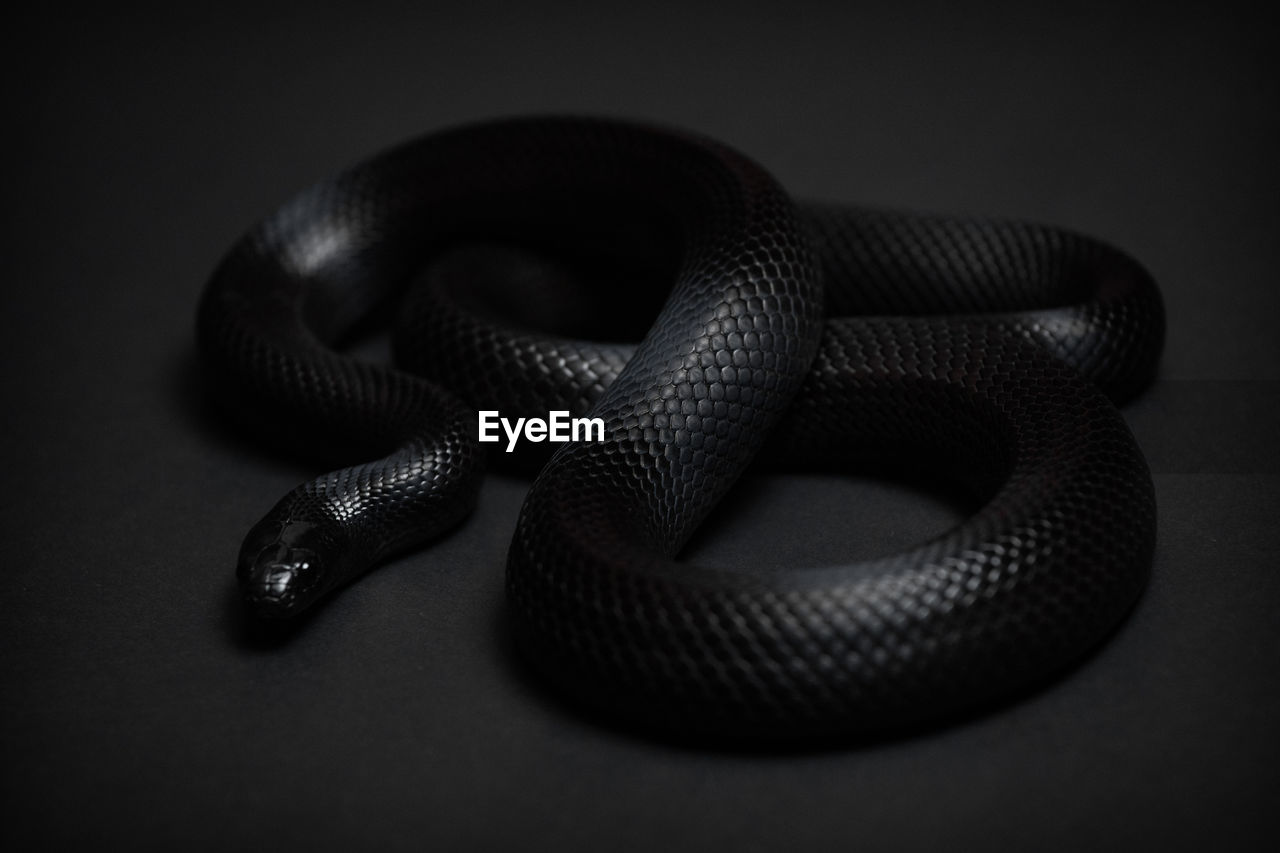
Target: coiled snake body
[978,351]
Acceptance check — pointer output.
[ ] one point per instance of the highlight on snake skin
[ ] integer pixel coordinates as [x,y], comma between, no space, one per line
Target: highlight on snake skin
[986,354]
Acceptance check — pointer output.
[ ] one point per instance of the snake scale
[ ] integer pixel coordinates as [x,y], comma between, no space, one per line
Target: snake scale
[985,354]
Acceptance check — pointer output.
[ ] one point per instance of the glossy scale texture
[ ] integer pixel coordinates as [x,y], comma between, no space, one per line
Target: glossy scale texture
[973,351]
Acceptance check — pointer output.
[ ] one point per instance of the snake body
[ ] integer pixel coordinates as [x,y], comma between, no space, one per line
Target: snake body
[988,354]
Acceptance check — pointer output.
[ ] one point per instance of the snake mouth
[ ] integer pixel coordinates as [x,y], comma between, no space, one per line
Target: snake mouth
[281,581]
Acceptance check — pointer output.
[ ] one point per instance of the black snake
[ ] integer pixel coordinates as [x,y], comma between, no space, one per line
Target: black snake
[979,352]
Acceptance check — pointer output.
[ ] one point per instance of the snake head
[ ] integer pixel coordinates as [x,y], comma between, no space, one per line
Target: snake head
[282,568]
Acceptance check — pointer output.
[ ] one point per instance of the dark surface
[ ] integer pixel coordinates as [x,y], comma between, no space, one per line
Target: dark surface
[137,706]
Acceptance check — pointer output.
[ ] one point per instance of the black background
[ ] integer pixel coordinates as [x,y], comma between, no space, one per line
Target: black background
[138,707]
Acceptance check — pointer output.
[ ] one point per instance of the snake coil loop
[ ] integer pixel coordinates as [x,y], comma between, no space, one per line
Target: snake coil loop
[979,351]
